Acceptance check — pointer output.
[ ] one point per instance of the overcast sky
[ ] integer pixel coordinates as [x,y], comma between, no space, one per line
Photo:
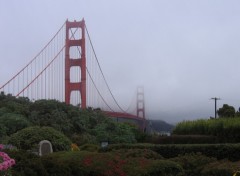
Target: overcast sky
[182,51]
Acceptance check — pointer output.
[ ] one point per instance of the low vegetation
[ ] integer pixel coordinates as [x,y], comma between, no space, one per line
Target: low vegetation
[219,151]
[79,126]
[111,163]
[194,149]
[225,129]
[183,139]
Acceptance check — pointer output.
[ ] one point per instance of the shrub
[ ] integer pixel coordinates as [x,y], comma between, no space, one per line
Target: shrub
[89,147]
[114,132]
[84,138]
[185,139]
[82,163]
[26,164]
[219,151]
[163,167]
[134,153]
[226,129]
[220,168]
[12,123]
[5,162]
[193,164]
[198,127]
[30,137]
[97,164]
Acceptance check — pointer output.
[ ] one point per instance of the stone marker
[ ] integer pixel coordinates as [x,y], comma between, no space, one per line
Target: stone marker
[104,144]
[45,147]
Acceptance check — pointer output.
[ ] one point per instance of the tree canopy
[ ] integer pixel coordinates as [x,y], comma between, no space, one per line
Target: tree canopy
[80,125]
[226,111]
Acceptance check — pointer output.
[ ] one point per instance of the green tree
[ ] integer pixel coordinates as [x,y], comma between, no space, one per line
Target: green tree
[226,111]
[11,123]
[80,125]
[51,113]
[29,138]
[114,132]
[15,105]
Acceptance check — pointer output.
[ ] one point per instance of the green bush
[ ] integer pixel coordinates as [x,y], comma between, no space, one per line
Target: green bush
[30,137]
[220,168]
[219,151]
[97,164]
[134,153]
[92,124]
[114,132]
[83,138]
[89,147]
[226,129]
[198,164]
[27,164]
[163,167]
[193,164]
[132,163]
[12,123]
[185,139]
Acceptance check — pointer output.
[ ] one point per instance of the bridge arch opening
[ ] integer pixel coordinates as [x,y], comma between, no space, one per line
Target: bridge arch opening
[75,52]
[140,114]
[140,105]
[75,74]
[75,98]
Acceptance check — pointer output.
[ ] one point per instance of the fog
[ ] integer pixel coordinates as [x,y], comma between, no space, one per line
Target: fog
[183,52]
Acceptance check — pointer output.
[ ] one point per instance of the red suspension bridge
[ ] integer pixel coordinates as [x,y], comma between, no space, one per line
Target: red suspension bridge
[67,69]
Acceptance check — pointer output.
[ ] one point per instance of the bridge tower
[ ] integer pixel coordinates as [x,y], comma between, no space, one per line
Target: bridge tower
[141,106]
[75,62]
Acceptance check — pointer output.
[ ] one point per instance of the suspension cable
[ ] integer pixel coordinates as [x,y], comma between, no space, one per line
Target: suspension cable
[92,79]
[102,72]
[41,72]
[34,57]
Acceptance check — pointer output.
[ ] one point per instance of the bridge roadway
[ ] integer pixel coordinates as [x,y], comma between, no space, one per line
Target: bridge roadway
[125,117]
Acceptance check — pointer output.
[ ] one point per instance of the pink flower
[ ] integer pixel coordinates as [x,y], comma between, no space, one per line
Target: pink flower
[7,161]
[5,158]
[2,154]
[12,161]
[4,166]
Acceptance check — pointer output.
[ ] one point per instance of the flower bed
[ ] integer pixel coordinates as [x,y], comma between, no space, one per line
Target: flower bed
[5,161]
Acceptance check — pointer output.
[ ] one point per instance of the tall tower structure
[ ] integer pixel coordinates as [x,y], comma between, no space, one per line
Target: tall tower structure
[70,41]
[141,106]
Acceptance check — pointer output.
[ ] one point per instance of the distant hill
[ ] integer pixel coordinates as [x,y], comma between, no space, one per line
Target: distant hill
[159,125]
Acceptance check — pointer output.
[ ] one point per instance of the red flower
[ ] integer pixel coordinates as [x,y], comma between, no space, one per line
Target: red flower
[87,161]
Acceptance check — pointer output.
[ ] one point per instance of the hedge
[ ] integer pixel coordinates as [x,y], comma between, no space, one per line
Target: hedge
[184,139]
[201,165]
[132,163]
[226,129]
[138,153]
[97,164]
[82,163]
[219,151]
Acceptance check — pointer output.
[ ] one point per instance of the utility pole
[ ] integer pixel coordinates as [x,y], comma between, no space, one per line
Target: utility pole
[215,98]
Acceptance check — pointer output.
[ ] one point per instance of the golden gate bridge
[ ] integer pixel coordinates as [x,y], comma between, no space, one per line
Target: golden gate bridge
[67,69]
